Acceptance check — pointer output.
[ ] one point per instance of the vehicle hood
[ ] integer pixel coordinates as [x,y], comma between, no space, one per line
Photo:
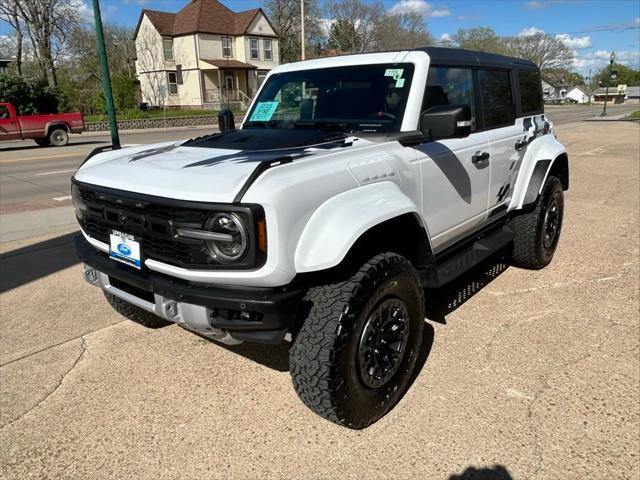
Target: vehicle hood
[213,168]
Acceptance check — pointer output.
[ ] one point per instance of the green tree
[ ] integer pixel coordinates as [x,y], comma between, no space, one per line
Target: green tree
[624,75]
[30,97]
[400,31]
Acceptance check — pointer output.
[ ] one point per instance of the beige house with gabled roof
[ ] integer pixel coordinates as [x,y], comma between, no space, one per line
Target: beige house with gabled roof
[203,56]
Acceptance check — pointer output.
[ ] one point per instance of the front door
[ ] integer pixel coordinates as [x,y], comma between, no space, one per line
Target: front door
[9,127]
[455,182]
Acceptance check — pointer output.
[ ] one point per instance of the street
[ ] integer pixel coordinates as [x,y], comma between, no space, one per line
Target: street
[527,374]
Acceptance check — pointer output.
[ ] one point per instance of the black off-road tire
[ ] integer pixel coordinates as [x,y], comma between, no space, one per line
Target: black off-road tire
[43,141]
[134,313]
[323,360]
[58,137]
[530,250]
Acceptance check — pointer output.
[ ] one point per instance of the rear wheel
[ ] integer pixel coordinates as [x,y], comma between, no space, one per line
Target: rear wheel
[59,137]
[43,141]
[135,314]
[355,353]
[537,232]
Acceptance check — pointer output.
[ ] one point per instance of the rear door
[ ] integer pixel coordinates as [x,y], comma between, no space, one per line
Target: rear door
[9,126]
[455,184]
[504,135]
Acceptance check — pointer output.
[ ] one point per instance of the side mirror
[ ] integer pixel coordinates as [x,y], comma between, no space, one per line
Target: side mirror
[446,121]
[226,121]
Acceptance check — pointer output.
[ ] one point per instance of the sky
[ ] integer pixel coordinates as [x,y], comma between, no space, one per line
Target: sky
[591,28]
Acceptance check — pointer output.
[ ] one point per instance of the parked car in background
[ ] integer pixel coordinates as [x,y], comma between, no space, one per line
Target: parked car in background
[50,129]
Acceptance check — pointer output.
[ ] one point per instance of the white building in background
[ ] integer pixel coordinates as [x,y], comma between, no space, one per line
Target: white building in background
[578,95]
[204,55]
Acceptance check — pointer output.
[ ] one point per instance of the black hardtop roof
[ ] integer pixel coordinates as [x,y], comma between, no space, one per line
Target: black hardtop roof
[470,58]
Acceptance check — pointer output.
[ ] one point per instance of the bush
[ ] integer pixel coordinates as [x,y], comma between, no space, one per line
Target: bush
[123,90]
[31,97]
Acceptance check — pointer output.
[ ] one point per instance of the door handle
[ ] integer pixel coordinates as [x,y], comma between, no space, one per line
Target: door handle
[520,144]
[480,158]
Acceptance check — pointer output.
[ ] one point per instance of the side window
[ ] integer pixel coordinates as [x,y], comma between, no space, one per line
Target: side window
[530,92]
[226,47]
[4,112]
[167,46]
[450,86]
[253,47]
[173,83]
[497,100]
[267,49]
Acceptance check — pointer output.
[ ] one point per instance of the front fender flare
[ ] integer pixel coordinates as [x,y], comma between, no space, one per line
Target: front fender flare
[338,223]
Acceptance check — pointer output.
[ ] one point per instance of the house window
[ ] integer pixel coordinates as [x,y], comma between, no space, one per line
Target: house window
[226,47]
[253,46]
[173,83]
[267,50]
[167,45]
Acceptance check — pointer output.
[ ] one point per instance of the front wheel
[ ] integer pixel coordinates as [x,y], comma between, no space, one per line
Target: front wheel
[355,353]
[537,232]
[59,137]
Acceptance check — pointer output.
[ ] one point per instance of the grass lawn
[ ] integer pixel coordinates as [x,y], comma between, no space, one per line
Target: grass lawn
[135,114]
[635,114]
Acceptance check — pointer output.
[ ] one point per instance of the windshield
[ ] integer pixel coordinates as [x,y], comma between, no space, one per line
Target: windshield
[369,98]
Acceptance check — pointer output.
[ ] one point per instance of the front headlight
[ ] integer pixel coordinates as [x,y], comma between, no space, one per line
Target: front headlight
[232,242]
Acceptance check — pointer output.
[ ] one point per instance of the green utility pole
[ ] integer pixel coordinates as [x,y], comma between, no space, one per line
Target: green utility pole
[106,80]
[609,78]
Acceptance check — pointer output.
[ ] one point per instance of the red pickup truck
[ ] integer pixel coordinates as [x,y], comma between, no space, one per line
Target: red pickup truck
[53,129]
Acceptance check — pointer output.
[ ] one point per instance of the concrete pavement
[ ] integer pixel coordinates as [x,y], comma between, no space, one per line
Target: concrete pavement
[527,375]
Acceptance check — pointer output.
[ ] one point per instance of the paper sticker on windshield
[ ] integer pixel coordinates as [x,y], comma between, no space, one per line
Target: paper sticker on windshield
[263,111]
[396,73]
[400,83]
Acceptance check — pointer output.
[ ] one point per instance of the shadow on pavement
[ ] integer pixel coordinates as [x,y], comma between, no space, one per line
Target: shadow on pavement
[30,263]
[34,146]
[497,472]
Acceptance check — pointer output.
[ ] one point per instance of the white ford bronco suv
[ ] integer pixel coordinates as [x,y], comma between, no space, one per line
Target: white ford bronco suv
[353,183]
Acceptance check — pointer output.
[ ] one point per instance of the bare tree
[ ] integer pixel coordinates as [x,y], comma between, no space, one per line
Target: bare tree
[47,23]
[546,51]
[285,17]
[399,31]
[10,14]
[483,39]
[355,25]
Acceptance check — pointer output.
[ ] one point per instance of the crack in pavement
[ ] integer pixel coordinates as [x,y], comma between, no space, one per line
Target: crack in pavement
[83,349]
[27,355]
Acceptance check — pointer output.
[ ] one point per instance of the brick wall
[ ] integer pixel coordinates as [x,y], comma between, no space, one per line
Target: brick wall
[141,123]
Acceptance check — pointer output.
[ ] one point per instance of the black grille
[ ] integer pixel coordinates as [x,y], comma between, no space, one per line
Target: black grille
[153,223]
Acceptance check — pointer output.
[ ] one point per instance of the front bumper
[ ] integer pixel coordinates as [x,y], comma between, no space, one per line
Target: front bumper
[227,314]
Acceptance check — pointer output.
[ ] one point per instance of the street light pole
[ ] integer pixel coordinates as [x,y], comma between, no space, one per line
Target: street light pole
[606,91]
[106,80]
[302,42]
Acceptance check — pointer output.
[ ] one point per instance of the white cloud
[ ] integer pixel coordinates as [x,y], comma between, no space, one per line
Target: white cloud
[421,7]
[575,42]
[527,32]
[445,37]
[535,5]
[139,2]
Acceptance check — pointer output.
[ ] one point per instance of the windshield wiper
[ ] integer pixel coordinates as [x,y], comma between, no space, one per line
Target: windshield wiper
[321,124]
